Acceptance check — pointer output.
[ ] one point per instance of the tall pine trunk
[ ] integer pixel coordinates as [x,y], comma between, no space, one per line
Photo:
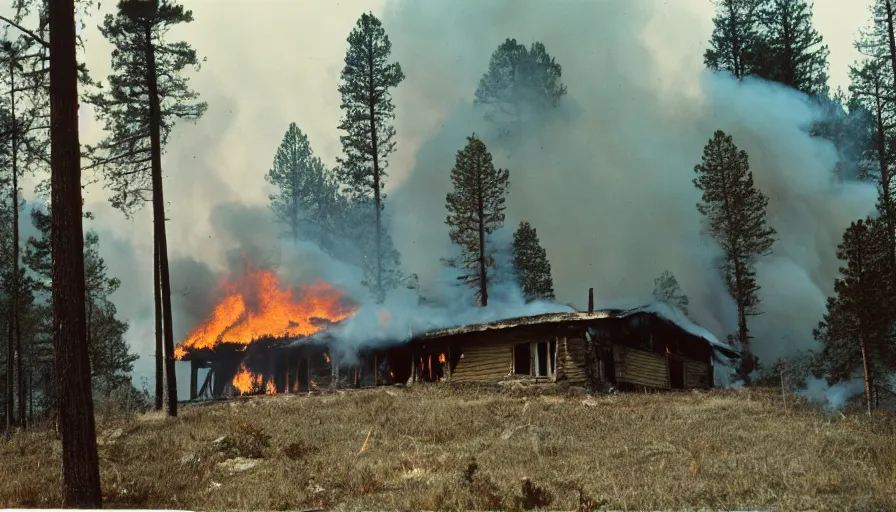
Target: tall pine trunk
[746,366]
[17,333]
[480,214]
[80,465]
[160,354]
[158,212]
[380,293]
[10,377]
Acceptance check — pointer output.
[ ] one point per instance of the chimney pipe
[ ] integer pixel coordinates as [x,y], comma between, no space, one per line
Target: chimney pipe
[591,300]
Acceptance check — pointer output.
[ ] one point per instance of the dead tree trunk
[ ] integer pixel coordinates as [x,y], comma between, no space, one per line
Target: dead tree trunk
[80,465]
[158,213]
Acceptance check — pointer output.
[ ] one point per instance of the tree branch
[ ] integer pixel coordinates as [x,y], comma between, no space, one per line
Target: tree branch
[27,32]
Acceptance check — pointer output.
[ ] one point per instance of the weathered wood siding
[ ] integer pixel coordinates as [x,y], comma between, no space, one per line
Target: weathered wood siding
[641,368]
[696,374]
[485,362]
[571,360]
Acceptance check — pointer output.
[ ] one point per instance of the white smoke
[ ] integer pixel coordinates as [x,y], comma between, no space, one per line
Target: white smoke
[833,397]
[607,178]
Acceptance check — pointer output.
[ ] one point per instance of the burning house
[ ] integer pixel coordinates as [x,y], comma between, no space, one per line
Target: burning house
[292,344]
[241,344]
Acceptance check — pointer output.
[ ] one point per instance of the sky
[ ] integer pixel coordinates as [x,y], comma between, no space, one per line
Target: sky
[272,62]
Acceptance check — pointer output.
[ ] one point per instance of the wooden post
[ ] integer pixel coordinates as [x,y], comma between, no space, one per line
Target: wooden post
[288,383]
[194,375]
[376,370]
[591,300]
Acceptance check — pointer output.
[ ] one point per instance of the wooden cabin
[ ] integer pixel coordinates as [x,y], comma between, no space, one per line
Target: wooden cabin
[626,349]
[634,349]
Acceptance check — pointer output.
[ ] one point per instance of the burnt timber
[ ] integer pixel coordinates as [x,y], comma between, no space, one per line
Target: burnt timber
[635,349]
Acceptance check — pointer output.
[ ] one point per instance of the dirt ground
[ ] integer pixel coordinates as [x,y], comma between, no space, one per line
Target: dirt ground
[443,448]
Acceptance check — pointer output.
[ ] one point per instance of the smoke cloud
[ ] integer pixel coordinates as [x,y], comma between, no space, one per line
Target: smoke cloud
[605,178]
[833,397]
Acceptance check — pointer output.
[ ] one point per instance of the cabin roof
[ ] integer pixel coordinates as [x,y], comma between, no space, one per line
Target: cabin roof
[660,310]
[584,317]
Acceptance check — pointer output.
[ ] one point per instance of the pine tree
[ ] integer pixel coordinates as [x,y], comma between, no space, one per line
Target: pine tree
[795,53]
[475,210]
[530,261]
[856,329]
[520,83]
[735,211]
[666,289]
[111,361]
[872,86]
[80,462]
[736,44]
[369,140]
[146,95]
[307,199]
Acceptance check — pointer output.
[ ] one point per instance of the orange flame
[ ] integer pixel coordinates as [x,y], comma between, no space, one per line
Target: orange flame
[313,384]
[256,305]
[270,388]
[327,357]
[442,358]
[245,381]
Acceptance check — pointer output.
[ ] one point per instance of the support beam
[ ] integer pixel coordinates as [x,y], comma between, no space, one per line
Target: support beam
[207,385]
[194,376]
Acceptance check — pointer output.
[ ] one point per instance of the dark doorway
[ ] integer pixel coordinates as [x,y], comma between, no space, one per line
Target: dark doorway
[522,359]
[676,373]
[542,359]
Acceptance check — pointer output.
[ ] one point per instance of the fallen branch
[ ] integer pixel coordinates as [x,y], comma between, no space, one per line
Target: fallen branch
[364,446]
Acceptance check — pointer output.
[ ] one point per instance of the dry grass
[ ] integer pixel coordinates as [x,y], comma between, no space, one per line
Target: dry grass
[436,448]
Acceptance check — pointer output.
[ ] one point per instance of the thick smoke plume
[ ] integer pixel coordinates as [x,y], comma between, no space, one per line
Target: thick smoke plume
[605,178]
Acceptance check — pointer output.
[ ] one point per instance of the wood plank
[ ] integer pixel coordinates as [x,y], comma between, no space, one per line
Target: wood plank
[484,363]
[575,361]
[641,368]
[696,374]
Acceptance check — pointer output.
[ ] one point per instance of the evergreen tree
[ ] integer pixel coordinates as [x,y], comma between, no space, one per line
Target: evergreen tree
[147,94]
[475,210]
[666,289]
[530,261]
[80,462]
[735,211]
[856,330]
[794,53]
[871,87]
[520,83]
[307,199]
[365,85]
[111,360]
[736,44]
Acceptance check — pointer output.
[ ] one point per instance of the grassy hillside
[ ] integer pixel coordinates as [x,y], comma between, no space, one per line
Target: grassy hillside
[440,448]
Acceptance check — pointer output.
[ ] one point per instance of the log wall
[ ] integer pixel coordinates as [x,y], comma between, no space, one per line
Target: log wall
[641,368]
[484,362]
[571,360]
[696,374]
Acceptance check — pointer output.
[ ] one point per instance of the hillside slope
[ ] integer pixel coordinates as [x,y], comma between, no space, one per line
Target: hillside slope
[441,448]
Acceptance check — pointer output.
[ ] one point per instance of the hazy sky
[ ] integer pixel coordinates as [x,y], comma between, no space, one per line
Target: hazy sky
[272,62]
